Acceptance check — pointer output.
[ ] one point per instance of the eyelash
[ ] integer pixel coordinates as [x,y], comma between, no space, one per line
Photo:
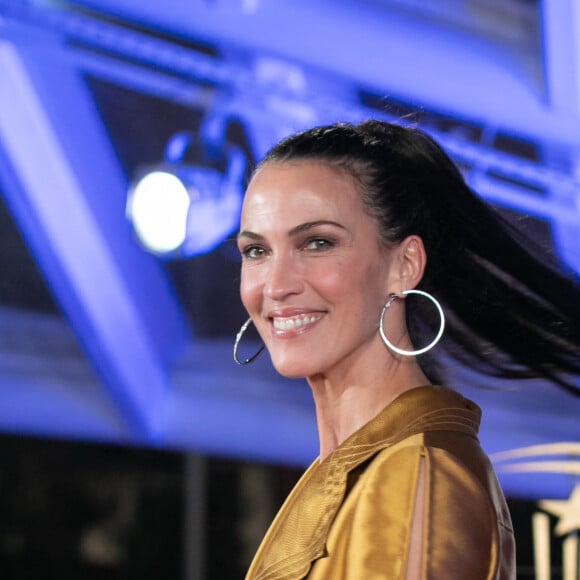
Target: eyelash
[249,249]
[322,244]
[326,243]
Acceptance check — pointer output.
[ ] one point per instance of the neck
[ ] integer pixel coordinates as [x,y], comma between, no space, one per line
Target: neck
[347,401]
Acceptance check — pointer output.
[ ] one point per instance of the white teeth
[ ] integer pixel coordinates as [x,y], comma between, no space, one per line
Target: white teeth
[294,322]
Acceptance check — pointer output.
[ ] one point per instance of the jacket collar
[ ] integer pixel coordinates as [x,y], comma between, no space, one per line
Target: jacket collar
[298,535]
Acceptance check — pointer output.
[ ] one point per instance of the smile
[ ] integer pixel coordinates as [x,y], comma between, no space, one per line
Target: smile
[292,322]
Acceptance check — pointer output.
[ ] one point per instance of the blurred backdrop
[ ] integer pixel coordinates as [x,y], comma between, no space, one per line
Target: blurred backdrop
[132,446]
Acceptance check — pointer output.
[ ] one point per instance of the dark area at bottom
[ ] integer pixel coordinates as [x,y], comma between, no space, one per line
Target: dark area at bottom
[72,510]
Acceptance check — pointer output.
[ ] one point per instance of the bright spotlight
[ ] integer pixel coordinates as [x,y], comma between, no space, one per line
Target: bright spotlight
[158,205]
[183,209]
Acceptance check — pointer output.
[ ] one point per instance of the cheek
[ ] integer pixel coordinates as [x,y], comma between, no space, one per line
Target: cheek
[358,288]
[332,285]
[341,280]
[250,290]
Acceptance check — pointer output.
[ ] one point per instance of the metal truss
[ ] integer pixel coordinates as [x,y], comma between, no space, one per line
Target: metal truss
[98,43]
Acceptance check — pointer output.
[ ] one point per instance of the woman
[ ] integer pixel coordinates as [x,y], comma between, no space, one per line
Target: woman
[350,237]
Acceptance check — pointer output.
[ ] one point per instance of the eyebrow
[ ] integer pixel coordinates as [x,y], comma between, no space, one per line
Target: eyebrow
[294,231]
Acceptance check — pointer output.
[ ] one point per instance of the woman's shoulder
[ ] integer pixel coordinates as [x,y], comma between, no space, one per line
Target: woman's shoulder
[458,473]
[452,455]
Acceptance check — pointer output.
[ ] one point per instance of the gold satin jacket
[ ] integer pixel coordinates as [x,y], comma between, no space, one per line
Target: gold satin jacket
[349,517]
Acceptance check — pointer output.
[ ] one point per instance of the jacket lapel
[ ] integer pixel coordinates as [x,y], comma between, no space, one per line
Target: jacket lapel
[297,536]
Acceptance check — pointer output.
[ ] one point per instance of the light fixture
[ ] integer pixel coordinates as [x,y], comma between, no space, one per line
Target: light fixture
[191,202]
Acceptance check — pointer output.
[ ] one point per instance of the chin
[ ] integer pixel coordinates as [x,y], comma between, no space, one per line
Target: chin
[290,372]
[291,368]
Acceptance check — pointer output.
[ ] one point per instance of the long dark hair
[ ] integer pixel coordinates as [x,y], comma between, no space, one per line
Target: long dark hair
[510,314]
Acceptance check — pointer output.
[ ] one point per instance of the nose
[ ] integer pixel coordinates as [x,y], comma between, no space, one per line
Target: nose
[283,278]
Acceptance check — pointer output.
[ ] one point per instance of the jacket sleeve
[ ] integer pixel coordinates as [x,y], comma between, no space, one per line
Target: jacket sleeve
[458,528]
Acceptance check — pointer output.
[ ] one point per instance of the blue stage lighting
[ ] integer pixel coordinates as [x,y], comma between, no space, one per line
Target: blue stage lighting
[181,209]
[158,206]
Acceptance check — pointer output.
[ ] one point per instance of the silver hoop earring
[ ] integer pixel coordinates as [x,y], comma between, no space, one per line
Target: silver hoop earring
[423,350]
[237,345]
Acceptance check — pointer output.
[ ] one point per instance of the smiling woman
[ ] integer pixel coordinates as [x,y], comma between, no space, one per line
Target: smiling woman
[340,225]
[314,272]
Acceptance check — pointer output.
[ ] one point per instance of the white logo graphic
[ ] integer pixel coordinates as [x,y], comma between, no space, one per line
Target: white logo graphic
[548,460]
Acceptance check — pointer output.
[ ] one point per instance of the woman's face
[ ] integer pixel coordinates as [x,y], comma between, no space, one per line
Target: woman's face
[314,273]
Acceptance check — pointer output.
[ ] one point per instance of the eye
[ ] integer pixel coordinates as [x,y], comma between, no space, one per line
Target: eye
[318,244]
[253,252]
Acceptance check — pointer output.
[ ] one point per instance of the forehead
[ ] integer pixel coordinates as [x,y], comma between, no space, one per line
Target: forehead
[302,189]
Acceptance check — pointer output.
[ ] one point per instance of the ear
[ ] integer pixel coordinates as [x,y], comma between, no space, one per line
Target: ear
[408,265]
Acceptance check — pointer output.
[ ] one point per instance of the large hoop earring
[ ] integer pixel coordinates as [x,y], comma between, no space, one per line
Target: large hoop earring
[237,345]
[423,350]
